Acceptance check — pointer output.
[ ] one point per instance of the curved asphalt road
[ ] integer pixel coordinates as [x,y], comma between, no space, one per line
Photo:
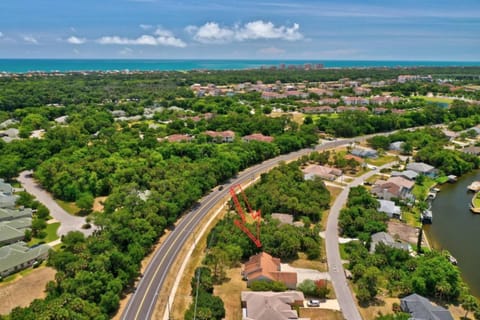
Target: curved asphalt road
[67,221]
[142,302]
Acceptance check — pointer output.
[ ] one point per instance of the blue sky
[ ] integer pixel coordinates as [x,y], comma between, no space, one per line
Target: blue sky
[241,29]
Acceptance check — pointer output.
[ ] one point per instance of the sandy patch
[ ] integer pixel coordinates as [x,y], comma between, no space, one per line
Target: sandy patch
[98,204]
[22,291]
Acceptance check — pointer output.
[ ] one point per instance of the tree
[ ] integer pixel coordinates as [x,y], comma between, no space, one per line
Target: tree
[308,288]
[419,241]
[85,202]
[470,304]
[9,166]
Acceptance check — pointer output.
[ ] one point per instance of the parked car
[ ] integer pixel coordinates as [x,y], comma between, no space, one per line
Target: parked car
[313,303]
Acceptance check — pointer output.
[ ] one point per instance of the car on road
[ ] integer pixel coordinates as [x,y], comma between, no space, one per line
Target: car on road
[313,303]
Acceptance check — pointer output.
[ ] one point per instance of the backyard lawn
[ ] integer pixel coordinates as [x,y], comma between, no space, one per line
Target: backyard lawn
[51,234]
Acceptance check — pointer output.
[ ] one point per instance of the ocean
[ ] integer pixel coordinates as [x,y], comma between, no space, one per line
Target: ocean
[65,65]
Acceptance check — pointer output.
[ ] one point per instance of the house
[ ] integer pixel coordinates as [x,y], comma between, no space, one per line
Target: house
[396,146]
[178,138]
[9,234]
[257,137]
[10,134]
[386,239]
[330,101]
[323,172]
[389,207]
[5,188]
[420,308]
[18,256]
[222,136]
[407,174]
[450,134]
[394,187]
[351,101]
[7,214]
[364,153]
[322,109]
[360,91]
[422,168]
[263,266]
[8,201]
[379,110]
[271,305]
[351,156]
[272,95]
[472,150]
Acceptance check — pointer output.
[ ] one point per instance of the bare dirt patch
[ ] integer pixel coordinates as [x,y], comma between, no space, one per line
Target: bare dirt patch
[373,311]
[404,232]
[22,291]
[320,314]
[98,204]
[230,292]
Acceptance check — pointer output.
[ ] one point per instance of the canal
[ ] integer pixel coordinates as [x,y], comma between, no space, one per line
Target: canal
[457,230]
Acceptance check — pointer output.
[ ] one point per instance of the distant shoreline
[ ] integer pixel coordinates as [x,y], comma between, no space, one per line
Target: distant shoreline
[19,66]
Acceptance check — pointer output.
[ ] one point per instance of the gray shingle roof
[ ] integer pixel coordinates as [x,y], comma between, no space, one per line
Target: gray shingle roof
[422,309]
[19,253]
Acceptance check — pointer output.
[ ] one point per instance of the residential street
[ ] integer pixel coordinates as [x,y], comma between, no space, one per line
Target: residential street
[67,221]
[342,291]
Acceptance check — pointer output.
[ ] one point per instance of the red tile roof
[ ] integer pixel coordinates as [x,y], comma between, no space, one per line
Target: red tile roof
[258,137]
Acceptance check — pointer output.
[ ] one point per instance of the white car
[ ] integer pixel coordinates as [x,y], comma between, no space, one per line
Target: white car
[313,303]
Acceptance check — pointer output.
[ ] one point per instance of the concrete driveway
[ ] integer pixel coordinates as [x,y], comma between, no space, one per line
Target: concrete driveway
[67,221]
[304,274]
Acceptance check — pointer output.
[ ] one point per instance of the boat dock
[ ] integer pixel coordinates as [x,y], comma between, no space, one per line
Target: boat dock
[474,186]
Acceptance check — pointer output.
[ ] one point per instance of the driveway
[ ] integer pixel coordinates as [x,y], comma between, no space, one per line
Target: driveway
[304,274]
[67,221]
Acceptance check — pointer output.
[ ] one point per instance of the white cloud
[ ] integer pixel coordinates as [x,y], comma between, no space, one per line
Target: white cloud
[160,37]
[212,32]
[1,34]
[146,26]
[76,40]
[267,30]
[30,39]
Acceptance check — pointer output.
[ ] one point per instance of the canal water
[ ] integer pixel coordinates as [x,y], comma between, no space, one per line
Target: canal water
[456,229]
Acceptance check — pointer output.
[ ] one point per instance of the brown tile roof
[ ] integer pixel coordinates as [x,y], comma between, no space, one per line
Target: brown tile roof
[258,137]
[178,138]
[222,134]
[264,266]
[402,182]
[351,156]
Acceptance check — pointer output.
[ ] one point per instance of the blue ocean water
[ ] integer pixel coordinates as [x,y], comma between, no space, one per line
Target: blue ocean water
[63,65]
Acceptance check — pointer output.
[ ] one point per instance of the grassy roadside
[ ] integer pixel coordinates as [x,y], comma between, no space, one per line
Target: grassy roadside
[70,207]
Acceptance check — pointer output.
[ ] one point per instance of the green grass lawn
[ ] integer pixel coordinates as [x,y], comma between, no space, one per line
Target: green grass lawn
[421,192]
[411,218]
[51,234]
[435,99]
[70,207]
[476,200]
[381,160]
